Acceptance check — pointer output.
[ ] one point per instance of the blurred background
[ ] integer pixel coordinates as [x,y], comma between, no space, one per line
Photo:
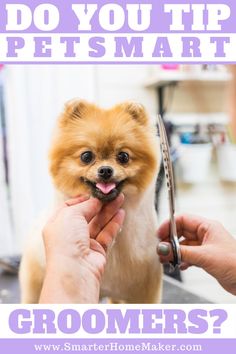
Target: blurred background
[197,102]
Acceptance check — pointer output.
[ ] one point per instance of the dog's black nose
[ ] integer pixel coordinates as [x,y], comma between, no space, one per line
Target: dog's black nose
[105,172]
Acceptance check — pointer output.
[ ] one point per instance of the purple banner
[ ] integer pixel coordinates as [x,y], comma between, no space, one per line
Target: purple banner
[66,16]
[203,346]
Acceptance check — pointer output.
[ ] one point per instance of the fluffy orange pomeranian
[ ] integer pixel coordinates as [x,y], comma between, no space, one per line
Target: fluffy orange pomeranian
[103,153]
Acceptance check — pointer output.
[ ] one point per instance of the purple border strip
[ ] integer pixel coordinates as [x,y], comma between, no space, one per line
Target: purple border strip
[69,22]
[203,346]
[114,63]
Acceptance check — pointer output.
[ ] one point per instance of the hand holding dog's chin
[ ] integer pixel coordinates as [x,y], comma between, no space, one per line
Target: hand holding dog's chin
[75,240]
[71,267]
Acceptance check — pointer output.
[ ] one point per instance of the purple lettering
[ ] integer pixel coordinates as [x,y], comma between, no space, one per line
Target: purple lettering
[191,47]
[41,49]
[162,48]
[14,43]
[128,48]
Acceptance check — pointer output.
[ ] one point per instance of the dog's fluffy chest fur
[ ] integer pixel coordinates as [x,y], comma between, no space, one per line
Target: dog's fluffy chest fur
[132,258]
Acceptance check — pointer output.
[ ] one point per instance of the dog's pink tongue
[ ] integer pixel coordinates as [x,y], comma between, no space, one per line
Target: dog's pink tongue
[106,188]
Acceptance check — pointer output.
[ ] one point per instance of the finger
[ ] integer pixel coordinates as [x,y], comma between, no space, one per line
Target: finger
[192,227]
[89,208]
[105,215]
[163,231]
[190,243]
[54,216]
[184,266]
[69,202]
[95,246]
[165,252]
[187,226]
[109,232]
[192,255]
[77,200]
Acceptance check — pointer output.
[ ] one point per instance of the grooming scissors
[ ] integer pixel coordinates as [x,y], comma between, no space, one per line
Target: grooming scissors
[171,193]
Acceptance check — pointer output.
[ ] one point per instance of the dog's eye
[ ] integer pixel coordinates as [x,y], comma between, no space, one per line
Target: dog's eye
[123,157]
[87,157]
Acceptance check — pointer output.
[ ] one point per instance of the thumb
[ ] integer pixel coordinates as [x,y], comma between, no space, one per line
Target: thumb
[192,255]
[88,208]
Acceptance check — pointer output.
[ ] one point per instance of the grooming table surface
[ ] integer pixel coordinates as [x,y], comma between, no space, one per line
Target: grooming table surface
[173,291]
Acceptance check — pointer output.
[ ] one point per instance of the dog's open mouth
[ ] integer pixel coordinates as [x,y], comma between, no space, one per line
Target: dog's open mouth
[105,191]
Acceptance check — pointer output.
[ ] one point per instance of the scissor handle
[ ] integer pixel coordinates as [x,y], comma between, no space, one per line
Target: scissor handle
[176,251]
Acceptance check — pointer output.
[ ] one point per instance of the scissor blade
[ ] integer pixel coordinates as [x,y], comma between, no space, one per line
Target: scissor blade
[171,193]
[167,163]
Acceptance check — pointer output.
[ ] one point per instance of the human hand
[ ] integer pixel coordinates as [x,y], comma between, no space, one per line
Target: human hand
[206,244]
[76,239]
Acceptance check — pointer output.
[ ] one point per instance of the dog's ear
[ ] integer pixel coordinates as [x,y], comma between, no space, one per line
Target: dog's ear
[136,111]
[75,109]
